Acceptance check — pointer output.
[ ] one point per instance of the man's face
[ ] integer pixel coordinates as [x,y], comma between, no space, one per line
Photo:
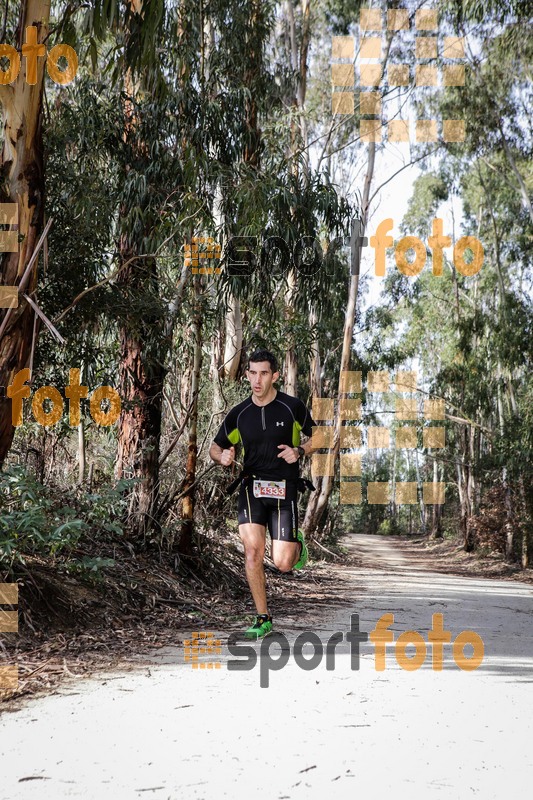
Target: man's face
[261,378]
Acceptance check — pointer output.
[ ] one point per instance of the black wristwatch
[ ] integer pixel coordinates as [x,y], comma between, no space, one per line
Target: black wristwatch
[301,451]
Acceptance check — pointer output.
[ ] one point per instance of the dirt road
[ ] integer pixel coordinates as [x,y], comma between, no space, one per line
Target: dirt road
[165,730]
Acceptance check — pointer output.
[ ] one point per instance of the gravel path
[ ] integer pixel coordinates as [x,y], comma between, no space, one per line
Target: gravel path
[165,730]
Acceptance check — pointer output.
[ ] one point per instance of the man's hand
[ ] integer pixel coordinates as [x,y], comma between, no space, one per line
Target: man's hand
[228,457]
[288,454]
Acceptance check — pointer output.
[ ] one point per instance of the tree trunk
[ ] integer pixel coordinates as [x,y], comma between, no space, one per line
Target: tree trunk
[319,499]
[23,184]
[141,390]
[526,525]
[233,339]
[81,453]
[470,484]
[464,484]
[299,155]
[509,530]
[463,503]
[436,518]
[290,375]
[185,542]
[215,374]
[521,183]
[251,156]
[141,369]
[422,507]
[254,48]
[315,369]
[394,507]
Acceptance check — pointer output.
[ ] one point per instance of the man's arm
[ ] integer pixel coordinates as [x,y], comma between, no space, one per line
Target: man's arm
[308,447]
[305,424]
[291,454]
[224,453]
[220,456]
[307,428]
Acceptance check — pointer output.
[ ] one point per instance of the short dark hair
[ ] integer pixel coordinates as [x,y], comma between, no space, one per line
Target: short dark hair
[264,355]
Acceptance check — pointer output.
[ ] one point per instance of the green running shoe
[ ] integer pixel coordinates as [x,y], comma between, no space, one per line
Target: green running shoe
[304,554]
[262,627]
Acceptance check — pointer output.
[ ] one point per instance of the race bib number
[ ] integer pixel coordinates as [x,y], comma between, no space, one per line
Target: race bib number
[269,489]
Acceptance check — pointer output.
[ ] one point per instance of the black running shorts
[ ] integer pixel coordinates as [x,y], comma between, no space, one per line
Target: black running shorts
[280,516]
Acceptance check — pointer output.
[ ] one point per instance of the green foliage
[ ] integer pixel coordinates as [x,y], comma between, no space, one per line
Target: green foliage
[89,567]
[31,521]
[205,84]
[428,191]
[41,520]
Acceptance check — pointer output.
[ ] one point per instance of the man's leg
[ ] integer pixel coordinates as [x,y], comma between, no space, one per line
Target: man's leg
[253,538]
[283,526]
[285,554]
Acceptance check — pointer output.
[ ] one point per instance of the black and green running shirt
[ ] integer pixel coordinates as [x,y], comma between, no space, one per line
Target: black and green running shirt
[260,429]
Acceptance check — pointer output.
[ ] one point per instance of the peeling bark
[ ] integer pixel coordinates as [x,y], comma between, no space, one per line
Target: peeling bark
[21,167]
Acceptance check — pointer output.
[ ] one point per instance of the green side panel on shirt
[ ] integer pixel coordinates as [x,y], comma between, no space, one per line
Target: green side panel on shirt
[234,436]
[296,438]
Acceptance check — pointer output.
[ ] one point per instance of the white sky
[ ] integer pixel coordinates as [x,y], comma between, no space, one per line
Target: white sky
[392,202]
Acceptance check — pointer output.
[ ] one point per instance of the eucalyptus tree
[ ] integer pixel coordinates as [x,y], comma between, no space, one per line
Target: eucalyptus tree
[493,168]
[21,99]
[179,135]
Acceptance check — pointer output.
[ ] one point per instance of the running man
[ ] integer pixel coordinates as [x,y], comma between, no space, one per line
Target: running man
[268,425]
